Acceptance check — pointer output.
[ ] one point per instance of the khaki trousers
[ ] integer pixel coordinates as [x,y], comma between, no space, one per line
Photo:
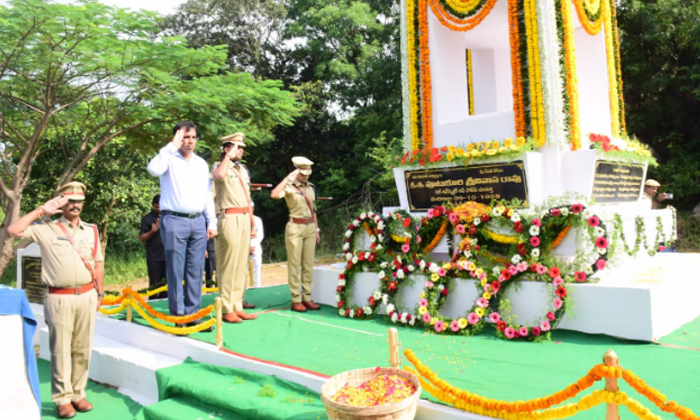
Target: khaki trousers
[71,322]
[232,251]
[301,248]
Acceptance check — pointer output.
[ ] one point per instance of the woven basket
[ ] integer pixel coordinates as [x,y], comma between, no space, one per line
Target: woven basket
[402,410]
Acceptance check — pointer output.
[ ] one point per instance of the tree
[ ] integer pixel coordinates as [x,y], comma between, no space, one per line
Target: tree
[251,30]
[105,74]
[120,190]
[660,52]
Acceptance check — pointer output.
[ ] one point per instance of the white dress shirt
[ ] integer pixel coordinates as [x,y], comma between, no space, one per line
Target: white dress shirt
[185,186]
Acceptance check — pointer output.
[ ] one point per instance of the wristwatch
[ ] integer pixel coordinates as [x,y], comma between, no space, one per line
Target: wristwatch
[100,295]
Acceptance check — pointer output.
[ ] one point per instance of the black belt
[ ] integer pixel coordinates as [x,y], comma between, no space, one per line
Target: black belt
[186,215]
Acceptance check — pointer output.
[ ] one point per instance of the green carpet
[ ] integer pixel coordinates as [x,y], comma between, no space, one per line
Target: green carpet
[326,343]
[108,403]
[201,391]
[686,336]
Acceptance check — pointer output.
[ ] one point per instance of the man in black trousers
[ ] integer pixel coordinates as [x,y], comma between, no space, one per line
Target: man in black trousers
[155,251]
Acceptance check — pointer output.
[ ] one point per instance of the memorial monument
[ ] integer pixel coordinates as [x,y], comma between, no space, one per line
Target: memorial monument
[517,168]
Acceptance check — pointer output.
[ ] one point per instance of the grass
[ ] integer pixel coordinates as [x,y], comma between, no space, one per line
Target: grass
[120,270]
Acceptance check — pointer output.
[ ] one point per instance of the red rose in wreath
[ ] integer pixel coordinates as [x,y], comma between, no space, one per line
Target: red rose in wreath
[485,218]
[406,222]
[372,256]
[349,265]
[359,312]
[361,256]
[341,304]
[339,289]
[445,292]
[392,285]
[519,227]
[501,325]
[496,285]
[371,301]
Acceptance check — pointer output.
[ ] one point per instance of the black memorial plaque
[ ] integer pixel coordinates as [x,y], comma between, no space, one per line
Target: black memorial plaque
[31,280]
[482,184]
[616,182]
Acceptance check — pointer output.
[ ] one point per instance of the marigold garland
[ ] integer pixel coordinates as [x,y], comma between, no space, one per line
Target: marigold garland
[173,330]
[535,77]
[610,50]
[571,78]
[425,78]
[586,10]
[470,82]
[438,236]
[169,318]
[461,24]
[412,74]
[540,408]
[555,243]
[114,311]
[516,65]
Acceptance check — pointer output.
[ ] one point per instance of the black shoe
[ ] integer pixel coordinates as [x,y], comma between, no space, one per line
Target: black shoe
[197,322]
[247,305]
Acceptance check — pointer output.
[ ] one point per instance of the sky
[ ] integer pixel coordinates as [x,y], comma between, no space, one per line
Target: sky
[163,6]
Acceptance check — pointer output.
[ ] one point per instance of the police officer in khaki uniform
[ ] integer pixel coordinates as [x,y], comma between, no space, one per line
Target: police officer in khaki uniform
[235,225]
[74,280]
[302,232]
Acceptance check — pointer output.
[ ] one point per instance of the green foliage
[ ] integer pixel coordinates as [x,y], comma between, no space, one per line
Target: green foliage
[341,60]
[660,46]
[122,270]
[267,391]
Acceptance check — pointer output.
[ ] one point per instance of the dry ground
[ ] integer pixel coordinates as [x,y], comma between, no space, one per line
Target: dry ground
[272,274]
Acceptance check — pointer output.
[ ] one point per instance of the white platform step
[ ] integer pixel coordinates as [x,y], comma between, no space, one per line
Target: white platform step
[131,369]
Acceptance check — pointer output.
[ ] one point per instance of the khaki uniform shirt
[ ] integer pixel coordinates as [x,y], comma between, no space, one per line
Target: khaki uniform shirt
[229,192]
[296,202]
[61,266]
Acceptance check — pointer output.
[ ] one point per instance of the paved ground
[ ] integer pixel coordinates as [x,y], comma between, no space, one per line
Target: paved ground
[272,274]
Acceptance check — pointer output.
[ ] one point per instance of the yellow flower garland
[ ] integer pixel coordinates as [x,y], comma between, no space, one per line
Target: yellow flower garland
[412,83]
[515,64]
[572,78]
[114,311]
[533,52]
[592,28]
[470,82]
[541,408]
[612,69]
[173,330]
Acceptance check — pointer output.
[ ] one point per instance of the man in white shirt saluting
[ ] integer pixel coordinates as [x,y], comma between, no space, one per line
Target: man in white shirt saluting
[185,200]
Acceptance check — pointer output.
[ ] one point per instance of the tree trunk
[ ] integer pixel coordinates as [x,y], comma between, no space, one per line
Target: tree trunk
[7,252]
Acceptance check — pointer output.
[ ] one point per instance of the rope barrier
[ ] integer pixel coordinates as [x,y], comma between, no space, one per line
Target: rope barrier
[541,408]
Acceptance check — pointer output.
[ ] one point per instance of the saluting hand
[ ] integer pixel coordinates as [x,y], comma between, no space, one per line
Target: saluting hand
[292,175]
[232,152]
[177,138]
[54,205]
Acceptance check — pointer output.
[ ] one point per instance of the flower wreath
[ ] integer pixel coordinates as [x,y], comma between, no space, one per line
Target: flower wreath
[375,229]
[507,271]
[360,261]
[401,271]
[597,230]
[529,247]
